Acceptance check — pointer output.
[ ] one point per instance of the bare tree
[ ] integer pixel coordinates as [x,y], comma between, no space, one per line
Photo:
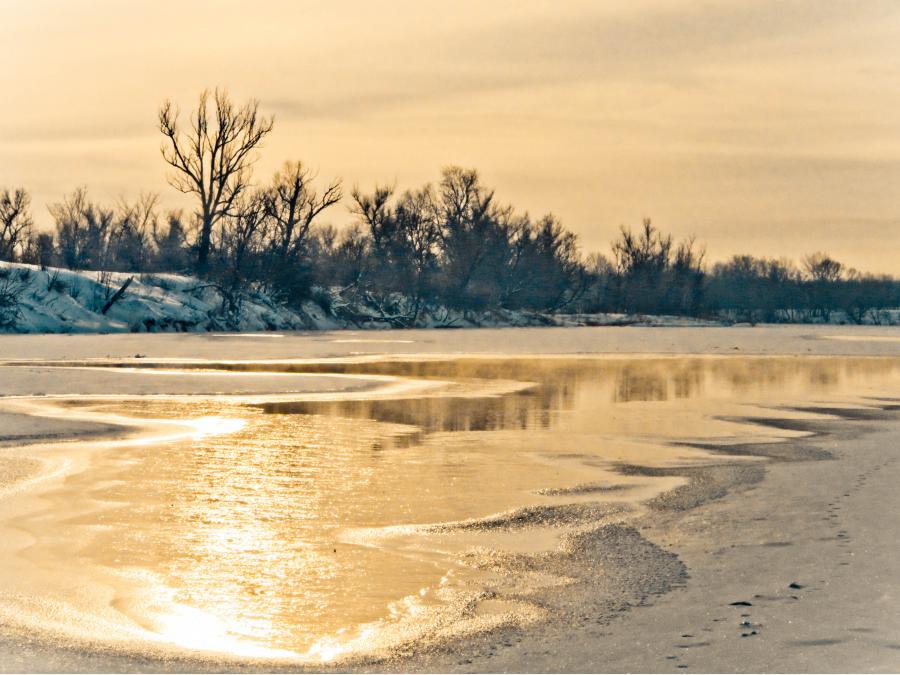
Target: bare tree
[242,237]
[130,244]
[171,245]
[643,260]
[213,159]
[294,204]
[39,249]
[83,228]
[824,273]
[12,285]
[418,220]
[648,252]
[374,211]
[822,267]
[15,222]
[469,227]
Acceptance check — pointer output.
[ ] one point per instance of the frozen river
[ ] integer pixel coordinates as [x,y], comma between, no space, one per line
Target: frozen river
[322,496]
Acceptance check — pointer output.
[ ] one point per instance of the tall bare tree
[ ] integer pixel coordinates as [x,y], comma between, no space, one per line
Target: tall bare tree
[15,222]
[213,159]
[469,231]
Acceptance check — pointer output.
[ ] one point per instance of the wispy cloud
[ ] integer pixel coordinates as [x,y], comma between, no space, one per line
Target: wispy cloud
[751,111]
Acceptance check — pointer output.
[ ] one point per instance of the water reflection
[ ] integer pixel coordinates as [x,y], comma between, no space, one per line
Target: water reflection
[514,411]
[560,385]
[243,527]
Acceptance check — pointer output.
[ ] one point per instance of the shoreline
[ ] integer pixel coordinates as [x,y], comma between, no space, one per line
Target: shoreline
[758,550]
[639,560]
[711,493]
[782,340]
[64,301]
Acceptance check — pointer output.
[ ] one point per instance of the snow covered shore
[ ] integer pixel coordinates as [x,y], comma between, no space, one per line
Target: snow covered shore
[65,301]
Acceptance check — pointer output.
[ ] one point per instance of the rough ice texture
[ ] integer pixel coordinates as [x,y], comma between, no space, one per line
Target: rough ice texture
[54,300]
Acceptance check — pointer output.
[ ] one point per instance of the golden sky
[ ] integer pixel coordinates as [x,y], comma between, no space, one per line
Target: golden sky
[762,126]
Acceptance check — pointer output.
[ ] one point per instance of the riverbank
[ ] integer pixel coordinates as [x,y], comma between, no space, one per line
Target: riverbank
[793,572]
[56,300]
[650,581]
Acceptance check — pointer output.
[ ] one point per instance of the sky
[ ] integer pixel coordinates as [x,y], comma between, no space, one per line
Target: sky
[769,127]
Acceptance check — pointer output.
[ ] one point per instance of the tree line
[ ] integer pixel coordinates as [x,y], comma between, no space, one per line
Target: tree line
[451,244]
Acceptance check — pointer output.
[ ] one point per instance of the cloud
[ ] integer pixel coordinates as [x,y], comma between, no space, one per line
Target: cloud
[751,111]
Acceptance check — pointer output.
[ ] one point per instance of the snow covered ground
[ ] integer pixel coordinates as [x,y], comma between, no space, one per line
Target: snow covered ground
[65,301]
[57,300]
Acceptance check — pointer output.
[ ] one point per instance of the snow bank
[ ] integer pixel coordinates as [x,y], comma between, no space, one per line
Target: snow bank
[63,301]
[56,300]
